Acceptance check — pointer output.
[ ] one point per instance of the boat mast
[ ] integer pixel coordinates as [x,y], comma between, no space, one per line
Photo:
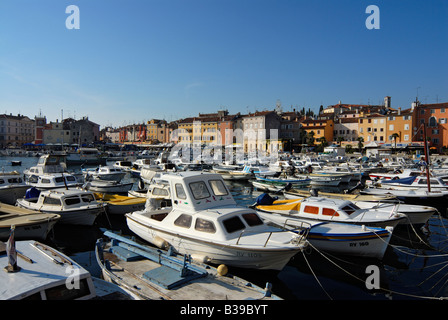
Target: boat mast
[425,143]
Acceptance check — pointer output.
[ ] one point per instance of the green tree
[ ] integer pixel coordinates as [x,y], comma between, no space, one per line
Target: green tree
[360,143]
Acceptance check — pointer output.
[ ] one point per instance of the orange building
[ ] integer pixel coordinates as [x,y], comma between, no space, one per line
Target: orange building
[321,127]
[434,116]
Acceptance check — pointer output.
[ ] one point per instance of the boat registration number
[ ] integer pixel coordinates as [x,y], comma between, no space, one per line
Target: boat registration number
[361,244]
[248,254]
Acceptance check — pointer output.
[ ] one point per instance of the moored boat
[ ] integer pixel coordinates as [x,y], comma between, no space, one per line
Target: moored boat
[75,206]
[43,273]
[336,210]
[205,222]
[150,273]
[337,237]
[12,187]
[28,224]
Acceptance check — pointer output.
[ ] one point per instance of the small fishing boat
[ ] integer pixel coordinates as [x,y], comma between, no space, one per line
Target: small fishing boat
[89,156]
[108,173]
[232,174]
[149,273]
[75,206]
[410,195]
[124,165]
[281,182]
[29,224]
[118,204]
[294,193]
[100,186]
[413,182]
[205,222]
[337,237]
[325,210]
[12,187]
[40,272]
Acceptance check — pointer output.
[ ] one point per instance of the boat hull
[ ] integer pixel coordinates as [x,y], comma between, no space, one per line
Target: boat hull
[216,253]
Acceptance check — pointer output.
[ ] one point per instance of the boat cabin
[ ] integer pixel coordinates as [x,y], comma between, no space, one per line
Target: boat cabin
[62,199]
[323,208]
[55,181]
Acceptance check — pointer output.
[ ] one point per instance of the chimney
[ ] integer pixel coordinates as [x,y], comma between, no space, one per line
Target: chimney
[399,111]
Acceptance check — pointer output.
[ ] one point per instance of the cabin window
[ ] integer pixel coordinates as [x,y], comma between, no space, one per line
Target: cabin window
[311,209]
[2,181]
[180,192]
[87,198]
[204,226]
[199,190]
[252,219]
[70,178]
[329,212]
[184,221]
[52,201]
[218,187]
[72,200]
[45,181]
[160,192]
[58,179]
[233,224]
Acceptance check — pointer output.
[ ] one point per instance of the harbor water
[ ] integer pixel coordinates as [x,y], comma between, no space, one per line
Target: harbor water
[415,266]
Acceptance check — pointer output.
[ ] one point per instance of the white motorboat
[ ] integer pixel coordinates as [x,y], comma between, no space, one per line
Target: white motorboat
[413,182]
[107,173]
[43,273]
[124,165]
[206,223]
[149,273]
[336,210]
[54,181]
[12,187]
[103,186]
[337,237]
[416,214]
[28,224]
[47,164]
[75,206]
[417,195]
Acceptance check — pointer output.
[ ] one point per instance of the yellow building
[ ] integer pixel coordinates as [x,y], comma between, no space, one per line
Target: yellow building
[372,127]
[319,128]
[399,126]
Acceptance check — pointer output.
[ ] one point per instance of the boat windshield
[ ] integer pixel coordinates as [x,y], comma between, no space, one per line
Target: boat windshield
[199,190]
[218,187]
[349,209]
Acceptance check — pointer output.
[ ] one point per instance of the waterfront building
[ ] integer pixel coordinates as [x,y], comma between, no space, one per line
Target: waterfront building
[261,132]
[318,129]
[157,131]
[372,127]
[15,130]
[434,116]
[399,128]
[71,132]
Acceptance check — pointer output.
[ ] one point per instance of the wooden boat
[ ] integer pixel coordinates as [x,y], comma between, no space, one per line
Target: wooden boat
[29,224]
[205,222]
[43,273]
[324,210]
[12,187]
[118,204]
[149,273]
[336,237]
[75,206]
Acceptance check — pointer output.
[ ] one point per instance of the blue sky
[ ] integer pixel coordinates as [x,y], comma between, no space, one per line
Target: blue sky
[135,60]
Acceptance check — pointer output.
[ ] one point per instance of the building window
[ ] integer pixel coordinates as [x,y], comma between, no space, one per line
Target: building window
[432,122]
